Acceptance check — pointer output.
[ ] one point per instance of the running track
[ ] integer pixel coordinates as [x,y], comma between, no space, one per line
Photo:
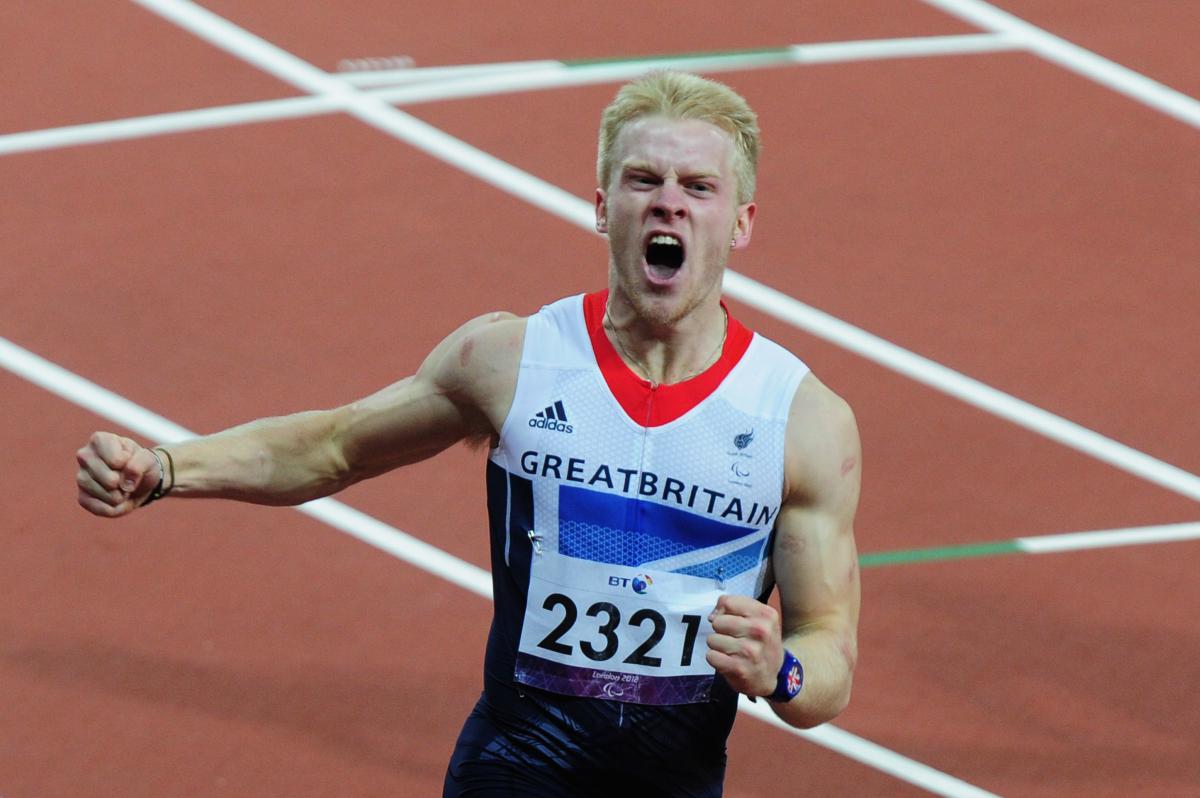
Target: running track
[1019,211]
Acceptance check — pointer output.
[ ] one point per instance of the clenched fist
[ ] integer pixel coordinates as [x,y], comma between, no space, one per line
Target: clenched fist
[746,646]
[116,475]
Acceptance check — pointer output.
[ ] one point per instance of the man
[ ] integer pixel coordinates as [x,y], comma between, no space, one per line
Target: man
[656,469]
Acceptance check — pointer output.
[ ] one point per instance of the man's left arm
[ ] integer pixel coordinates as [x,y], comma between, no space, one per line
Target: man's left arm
[816,569]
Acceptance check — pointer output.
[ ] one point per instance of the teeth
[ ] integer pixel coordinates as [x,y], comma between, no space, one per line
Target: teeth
[664,239]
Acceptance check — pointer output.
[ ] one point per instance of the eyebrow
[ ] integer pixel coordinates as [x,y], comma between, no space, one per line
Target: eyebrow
[645,166]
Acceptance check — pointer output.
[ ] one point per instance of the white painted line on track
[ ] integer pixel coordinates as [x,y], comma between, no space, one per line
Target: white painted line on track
[401,545]
[395,77]
[1077,59]
[430,84]
[914,47]
[867,752]
[523,75]
[88,395]
[1109,538]
[119,410]
[365,107]
[969,390]
[163,124]
[562,75]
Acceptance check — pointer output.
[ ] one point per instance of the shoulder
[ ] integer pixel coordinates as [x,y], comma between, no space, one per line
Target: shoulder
[497,334]
[823,454]
[481,349]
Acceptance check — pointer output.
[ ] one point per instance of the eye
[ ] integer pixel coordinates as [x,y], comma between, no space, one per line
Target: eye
[702,188]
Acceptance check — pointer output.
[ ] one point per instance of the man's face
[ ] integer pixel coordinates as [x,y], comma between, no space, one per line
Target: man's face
[671,213]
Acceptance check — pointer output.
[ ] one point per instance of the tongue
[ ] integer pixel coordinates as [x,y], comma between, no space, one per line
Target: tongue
[662,272]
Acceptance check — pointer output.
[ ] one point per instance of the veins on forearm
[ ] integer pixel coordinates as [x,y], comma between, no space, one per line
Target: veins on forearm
[277,461]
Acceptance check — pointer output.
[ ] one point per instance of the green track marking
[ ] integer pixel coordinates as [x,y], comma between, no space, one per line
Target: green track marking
[939,553]
[1188,531]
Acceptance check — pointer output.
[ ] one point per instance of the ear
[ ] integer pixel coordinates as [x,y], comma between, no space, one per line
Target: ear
[743,225]
[601,212]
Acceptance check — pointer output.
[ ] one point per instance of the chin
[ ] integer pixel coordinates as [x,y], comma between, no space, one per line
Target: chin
[660,308]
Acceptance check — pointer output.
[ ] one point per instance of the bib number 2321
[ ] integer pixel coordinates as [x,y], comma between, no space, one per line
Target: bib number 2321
[599,636]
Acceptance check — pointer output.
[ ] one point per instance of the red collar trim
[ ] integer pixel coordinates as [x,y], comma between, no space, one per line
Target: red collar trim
[645,404]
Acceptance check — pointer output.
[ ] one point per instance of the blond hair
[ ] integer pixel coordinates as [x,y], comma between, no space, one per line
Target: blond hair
[680,95]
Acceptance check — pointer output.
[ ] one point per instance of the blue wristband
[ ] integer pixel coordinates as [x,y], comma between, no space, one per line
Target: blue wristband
[790,679]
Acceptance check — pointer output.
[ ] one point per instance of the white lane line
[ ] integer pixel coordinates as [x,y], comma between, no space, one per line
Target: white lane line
[429,84]
[119,410]
[619,71]
[1109,538]
[163,124]
[1077,59]
[367,108]
[395,77]
[401,545]
[867,752]
[547,74]
[563,76]
[914,47]
[969,390]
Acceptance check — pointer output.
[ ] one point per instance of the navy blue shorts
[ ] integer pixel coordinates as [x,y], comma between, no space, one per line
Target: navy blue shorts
[535,745]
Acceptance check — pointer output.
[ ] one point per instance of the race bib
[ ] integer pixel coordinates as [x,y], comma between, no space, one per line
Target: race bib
[608,631]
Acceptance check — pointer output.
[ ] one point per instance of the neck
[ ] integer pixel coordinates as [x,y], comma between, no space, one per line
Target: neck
[664,354]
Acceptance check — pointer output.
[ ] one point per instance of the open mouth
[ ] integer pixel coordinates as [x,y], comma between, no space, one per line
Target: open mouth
[664,255]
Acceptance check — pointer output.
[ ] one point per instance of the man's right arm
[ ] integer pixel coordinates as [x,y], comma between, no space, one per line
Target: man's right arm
[461,391]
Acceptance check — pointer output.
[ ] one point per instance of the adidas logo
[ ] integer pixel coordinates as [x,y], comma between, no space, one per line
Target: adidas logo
[554,417]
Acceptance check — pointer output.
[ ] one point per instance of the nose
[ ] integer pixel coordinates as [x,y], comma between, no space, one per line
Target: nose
[669,202]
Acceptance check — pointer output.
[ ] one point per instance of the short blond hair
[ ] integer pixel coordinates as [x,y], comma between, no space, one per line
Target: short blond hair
[681,95]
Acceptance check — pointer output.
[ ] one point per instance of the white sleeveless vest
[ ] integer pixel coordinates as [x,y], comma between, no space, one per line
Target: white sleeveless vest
[638,524]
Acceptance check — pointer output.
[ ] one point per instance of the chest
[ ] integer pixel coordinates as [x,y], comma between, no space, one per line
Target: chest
[707,478]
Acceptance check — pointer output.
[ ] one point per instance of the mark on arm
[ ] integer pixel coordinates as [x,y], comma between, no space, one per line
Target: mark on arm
[464,351]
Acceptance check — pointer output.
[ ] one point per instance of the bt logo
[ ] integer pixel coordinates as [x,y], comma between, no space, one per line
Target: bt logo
[639,584]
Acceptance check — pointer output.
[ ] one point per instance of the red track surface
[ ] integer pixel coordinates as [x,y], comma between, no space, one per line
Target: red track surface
[993,212]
